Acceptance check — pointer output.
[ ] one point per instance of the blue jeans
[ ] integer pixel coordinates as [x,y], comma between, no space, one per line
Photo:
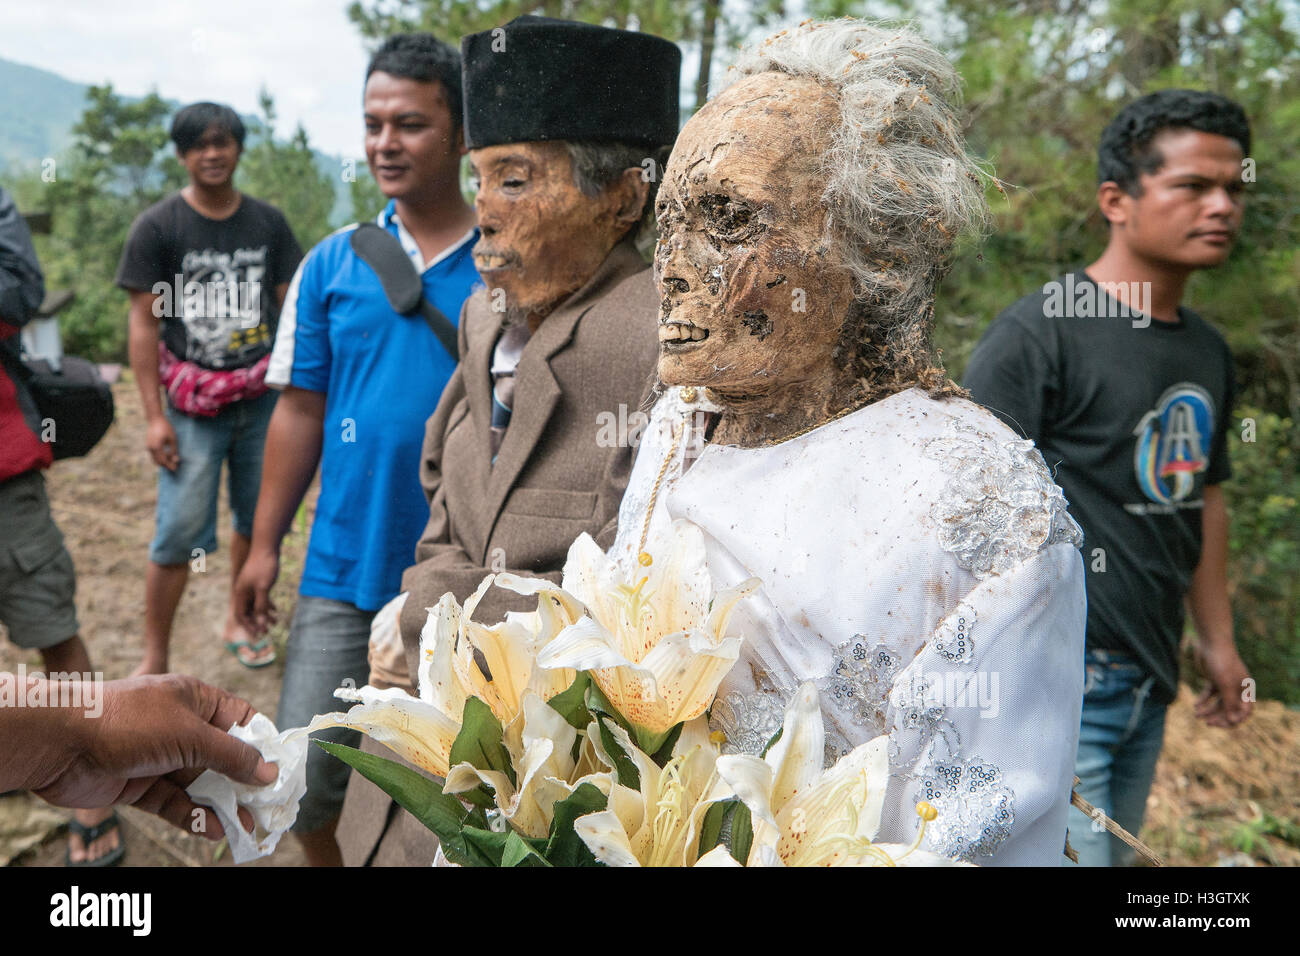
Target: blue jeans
[186,518]
[1120,738]
[329,642]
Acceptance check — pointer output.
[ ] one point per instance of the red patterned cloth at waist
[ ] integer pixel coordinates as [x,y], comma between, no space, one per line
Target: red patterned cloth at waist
[195,390]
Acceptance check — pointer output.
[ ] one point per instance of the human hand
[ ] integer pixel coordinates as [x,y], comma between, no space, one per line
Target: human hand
[251,596]
[160,439]
[154,736]
[1223,703]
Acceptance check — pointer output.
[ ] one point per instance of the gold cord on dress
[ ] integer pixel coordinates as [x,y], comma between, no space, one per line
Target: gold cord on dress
[643,557]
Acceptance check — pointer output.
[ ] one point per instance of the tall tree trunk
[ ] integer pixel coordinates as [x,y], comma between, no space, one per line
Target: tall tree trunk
[707,31]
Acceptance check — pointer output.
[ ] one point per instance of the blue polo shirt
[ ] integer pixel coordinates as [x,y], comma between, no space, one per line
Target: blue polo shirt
[382,374]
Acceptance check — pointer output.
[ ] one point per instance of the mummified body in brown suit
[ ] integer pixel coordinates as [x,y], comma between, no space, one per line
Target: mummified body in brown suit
[552,481]
[569,304]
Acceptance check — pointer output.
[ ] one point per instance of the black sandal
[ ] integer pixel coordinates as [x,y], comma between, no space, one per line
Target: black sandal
[92,833]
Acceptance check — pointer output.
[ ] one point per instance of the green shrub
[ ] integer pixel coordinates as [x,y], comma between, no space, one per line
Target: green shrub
[1264,550]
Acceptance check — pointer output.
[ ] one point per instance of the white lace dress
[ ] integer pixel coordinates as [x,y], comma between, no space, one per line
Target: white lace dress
[919,564]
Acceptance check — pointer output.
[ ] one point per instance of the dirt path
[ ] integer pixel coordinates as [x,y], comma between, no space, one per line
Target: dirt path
[1219,795]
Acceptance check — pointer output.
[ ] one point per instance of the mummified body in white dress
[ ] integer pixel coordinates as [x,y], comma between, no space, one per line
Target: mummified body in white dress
[918,562]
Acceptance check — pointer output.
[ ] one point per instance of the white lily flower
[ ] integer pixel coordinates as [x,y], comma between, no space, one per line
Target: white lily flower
[436,677]
[540,743]
[718,856]
[660,825]
[657,647]
[423,729]
[805,816]
[412,728]
[510,649]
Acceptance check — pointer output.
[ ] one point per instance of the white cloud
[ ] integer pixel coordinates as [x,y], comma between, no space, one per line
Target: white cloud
[304,51]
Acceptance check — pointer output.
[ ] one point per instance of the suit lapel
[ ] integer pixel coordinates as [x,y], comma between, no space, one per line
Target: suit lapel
[478,380]
[536,395]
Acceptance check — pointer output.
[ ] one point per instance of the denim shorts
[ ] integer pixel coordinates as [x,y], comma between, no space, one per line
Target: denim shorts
[187,497]
[328,644]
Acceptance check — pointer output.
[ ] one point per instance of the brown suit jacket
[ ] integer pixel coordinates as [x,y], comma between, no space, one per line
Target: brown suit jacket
[552,480]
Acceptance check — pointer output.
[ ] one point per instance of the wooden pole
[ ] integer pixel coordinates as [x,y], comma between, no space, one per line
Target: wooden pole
[1094,813]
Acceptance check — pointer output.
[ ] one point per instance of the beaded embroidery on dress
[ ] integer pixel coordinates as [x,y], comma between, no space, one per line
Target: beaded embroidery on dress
[1000,505]
[975,808]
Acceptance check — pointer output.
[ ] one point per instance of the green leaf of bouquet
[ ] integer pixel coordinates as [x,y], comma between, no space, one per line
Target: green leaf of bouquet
[488,842]
[565,847]
[479,741]
[418,795]
[480,797]
[664,752]
[651,743]
[571,703]
[597,702]
[628,775]
[711,826]
[520,852]
[742,833]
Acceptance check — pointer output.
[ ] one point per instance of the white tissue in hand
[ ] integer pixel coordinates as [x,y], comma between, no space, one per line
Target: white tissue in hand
[275,806]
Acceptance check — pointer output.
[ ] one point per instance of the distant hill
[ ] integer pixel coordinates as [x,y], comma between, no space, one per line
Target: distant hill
[38,110]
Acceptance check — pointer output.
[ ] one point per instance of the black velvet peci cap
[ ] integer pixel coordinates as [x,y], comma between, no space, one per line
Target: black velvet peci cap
[541,79]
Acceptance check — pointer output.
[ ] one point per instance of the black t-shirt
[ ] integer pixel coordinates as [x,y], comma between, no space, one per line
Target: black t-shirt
[216,277]
[1133,421]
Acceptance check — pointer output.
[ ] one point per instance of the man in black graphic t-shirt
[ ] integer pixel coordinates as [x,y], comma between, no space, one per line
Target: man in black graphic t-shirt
[207,270]
[215,279]
[1129,395]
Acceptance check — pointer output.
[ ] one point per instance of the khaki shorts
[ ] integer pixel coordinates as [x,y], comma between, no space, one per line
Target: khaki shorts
[37,581]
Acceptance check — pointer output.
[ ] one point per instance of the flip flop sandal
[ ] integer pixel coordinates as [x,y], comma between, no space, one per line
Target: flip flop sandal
[234,646]
[89,834]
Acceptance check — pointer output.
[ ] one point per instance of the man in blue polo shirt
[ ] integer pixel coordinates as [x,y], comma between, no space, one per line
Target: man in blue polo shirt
[359,381]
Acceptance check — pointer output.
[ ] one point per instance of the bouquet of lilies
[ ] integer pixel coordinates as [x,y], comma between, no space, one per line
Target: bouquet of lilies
[577,734]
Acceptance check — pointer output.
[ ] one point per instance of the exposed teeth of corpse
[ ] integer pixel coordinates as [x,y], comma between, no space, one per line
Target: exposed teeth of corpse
[682,332]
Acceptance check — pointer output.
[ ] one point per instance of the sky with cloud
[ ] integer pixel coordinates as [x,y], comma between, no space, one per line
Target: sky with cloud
[305,52]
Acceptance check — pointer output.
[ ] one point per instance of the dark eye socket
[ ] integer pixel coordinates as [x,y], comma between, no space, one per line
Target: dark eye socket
[731,219]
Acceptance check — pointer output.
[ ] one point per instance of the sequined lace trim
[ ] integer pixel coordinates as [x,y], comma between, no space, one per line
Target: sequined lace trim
[748,721]
[953,642]
[976,810]
[870,685]
[864,684]
[999,506]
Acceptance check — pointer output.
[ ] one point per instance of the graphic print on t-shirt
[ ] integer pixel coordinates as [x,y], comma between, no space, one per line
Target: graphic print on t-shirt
[220,304]
[1173,445]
